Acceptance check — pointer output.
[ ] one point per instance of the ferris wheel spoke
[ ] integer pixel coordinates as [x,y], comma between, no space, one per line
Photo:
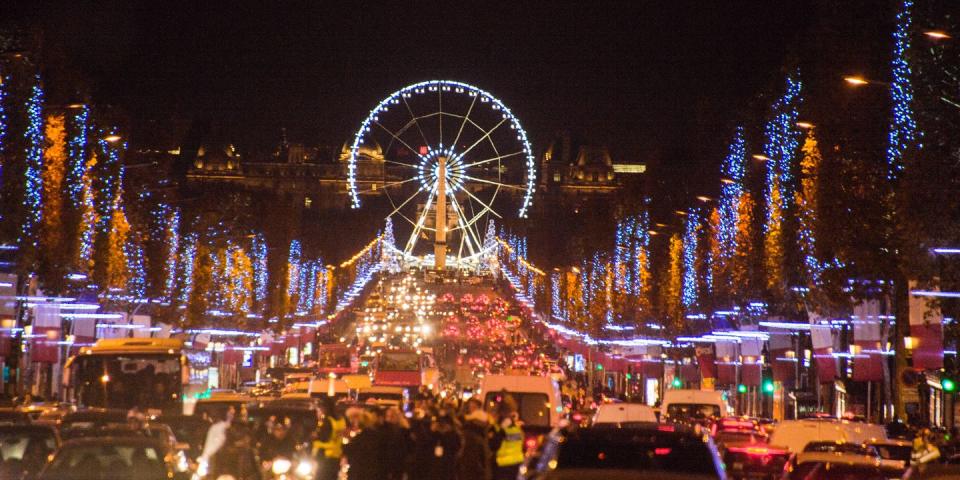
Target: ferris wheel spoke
[464,122]
[486,208]
[400,163]
[414,117]
[491,182]
[461,216]
[405,202]
[493,159]
[397,138]
[484,137]
[389,184]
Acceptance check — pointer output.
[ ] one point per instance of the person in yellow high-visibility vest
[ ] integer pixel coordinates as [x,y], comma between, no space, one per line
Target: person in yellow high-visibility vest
[328,441]
[507,440]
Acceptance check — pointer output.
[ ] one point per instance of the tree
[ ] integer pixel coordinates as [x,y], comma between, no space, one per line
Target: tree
[673,291]
[52,254]
[741,265]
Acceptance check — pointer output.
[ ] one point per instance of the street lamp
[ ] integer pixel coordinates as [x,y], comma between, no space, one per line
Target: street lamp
[113,138]
[937,34]
[703,198]
[761,157]
[858,81]
[805,125]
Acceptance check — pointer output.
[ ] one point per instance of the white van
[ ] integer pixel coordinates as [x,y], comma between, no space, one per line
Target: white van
[620,413]
[683,404]
[538,398]
[794,435]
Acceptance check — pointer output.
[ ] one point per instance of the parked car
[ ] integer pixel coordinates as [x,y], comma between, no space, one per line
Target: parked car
[24,449]
[650,451]
[933,471]
[114,458]
[840,466]
[624,414]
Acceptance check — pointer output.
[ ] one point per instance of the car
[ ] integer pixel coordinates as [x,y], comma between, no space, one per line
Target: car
[77,424]
[840,466]
[114,457]
[753,459]
[794,435]
[933,471]
[624,414]
[891,449]
[645,452]
[686,405]
[190,430]
[24,449]
[13,416]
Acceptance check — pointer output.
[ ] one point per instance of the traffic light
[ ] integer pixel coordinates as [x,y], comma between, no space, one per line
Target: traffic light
[599,367]
[677,383]
[629,377]
[741,388]
[948,385]
[768,386]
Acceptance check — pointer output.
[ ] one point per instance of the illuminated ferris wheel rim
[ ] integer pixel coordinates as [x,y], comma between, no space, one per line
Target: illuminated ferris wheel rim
[456,87]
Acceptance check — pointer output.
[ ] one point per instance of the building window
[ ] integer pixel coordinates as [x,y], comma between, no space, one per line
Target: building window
[307,202]
[556,177]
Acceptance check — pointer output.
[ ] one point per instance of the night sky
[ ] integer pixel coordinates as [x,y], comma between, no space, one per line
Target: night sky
[654,80]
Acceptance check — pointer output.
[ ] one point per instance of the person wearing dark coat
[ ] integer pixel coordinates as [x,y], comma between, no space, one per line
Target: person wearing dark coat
[236,458]
[365,451]
[476,458]
[445,443]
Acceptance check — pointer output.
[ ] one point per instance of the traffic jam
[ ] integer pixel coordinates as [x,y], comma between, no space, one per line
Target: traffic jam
[426,378]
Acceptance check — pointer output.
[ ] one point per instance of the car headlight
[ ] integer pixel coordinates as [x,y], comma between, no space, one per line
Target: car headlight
[202,468]
[304,469]
[280,466]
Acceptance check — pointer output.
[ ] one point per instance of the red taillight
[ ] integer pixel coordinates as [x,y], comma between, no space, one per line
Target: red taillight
[661,451]
[666,428]
[530,443]
[756,450]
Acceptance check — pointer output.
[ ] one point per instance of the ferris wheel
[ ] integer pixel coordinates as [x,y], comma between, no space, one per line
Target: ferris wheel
[453,156]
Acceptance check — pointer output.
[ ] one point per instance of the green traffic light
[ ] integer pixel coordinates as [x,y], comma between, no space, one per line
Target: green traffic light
[948,385]
[629,376]
[768,386]
[677,383]
[742,388]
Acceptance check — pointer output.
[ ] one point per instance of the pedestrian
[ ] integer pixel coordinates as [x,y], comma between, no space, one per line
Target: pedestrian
[280,443]
[216,434]
[396,435]
[237,457]
[364,450]
[445,443]
[328,441]
[507,439]
[475,462]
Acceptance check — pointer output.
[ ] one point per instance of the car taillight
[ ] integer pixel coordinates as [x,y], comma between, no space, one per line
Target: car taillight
[666,428]
[661,451]
[756,451]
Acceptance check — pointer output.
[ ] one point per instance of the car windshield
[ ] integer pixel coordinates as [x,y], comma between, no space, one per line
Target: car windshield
[399,362]
[127,381]
[26,446]
[334,358]
[636,452]
[738,437]
[533,408]
[107,460]
[684,411]
[842,447]
[829,471]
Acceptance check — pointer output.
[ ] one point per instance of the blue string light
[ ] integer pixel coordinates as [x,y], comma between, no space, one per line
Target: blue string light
[4,81]
[903,126]
[689,294]
[188,261]
[556,302]
[137,278]
[173,247]
[640,229]
[293,265]
[109,198]
[77,155]
[33,136]
[259,260]
[782,139]
[733,170]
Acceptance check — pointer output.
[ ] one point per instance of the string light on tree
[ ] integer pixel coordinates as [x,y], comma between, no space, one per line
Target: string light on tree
[293,268]
[732,169]
[77,154]
[33,138]
[903,127]
[690,246]
[258,252]
[188,261]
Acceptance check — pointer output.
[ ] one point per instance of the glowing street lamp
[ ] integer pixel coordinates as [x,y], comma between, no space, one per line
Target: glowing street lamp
[937,34]
[112,138]
[855,80]
[761,157]
[805,125]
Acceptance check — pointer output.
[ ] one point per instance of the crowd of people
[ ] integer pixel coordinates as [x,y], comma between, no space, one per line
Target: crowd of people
[441,438]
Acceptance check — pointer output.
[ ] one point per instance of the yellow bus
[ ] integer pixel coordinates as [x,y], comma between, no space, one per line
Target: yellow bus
[152,374]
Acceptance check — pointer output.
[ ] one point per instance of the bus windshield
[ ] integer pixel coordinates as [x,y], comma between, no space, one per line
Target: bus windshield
[333,358]
[147,381]
[399,362]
